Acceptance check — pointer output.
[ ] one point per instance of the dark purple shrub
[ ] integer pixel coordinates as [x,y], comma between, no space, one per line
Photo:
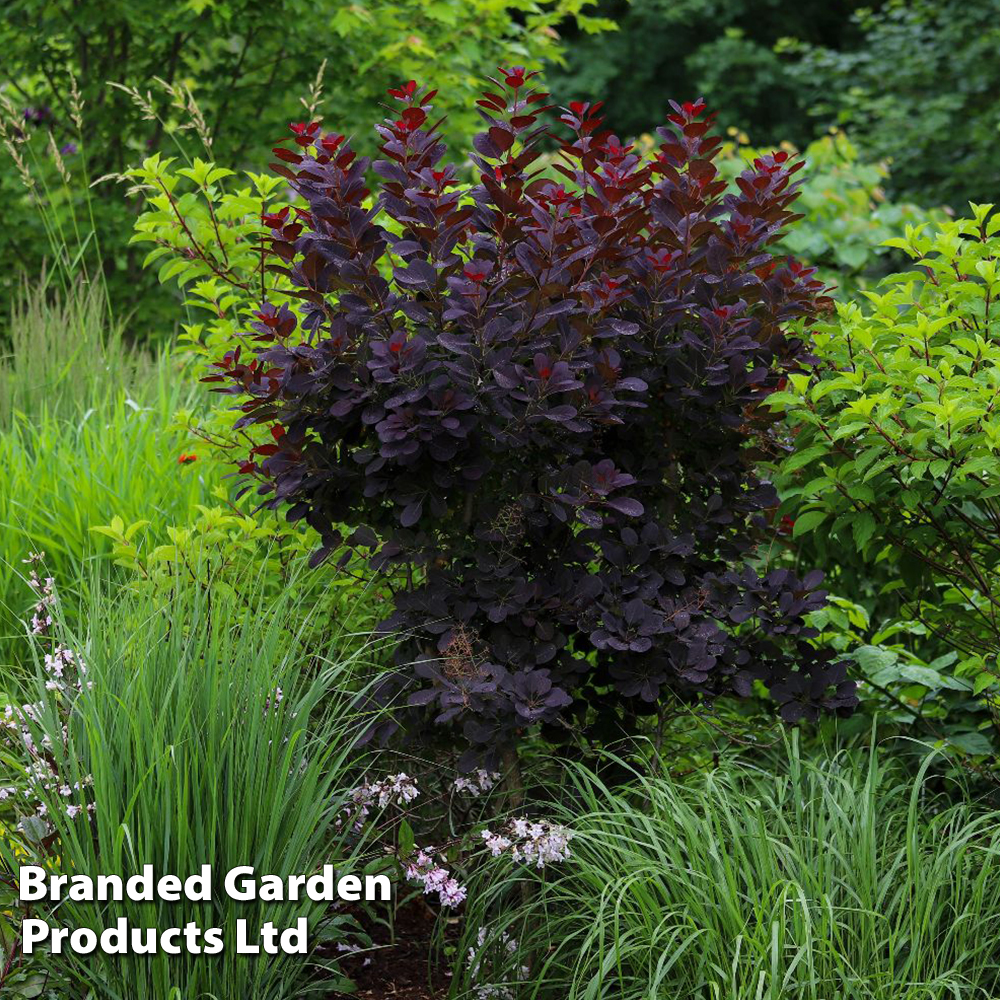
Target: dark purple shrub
[543,401]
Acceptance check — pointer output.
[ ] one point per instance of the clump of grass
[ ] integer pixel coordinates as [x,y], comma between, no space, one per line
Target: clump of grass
[60,477]
[65,354]
[92,431]
[209,738]
[842,878]
[87,433]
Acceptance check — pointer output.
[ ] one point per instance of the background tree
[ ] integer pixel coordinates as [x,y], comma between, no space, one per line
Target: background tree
[917,85]
[722,50]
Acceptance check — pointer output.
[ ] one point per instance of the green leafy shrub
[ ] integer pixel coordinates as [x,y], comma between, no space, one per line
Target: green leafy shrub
[896,435]
[250,557]
[204,224]
[902,691]
[800,877]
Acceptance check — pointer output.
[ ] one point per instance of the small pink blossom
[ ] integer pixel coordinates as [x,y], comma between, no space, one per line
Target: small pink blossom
[477,784]
[534,843]
[435,878]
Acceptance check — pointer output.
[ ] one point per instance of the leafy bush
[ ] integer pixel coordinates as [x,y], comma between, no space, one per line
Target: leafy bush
[908,685]
[808,877]
[204,222]
[251,764]
[251,558]
[896,439]
[540,397]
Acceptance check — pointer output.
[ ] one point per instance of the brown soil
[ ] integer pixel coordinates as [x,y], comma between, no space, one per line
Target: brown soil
[402,970]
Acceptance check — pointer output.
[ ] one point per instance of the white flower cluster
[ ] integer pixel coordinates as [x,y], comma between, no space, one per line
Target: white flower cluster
[476,959]
[45,595]
[424,869]
[41,782]
[21,724]
[394,788]
[17,720]
[279,697]
[534,843]
[60,664]
[477,784]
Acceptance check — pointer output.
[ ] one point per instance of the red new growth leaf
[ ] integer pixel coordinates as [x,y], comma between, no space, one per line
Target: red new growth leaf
[305,132]
[514,77]
[275,220]
[405,91]
[414,117]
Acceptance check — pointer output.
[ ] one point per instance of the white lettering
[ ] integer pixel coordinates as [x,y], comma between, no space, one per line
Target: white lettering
[383,884]
[243,947]
[241,892]
[32,932]
[31,883]
[349,888]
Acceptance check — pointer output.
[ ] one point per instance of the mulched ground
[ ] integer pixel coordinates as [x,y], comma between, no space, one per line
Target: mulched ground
[399,971]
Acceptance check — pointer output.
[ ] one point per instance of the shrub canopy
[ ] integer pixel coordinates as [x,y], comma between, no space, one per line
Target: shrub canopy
[543,399]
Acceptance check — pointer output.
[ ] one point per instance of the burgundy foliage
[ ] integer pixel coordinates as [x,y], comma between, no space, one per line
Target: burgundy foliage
[545,401]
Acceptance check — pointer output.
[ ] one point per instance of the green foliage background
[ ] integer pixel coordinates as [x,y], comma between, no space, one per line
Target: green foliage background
[248,65]
[920,88]
[722,50]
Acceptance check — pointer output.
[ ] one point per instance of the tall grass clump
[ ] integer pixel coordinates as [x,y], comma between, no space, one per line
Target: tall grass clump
[128,447]
[827,879]
[65,353]
[202,735]
[59,477]
[87,433]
